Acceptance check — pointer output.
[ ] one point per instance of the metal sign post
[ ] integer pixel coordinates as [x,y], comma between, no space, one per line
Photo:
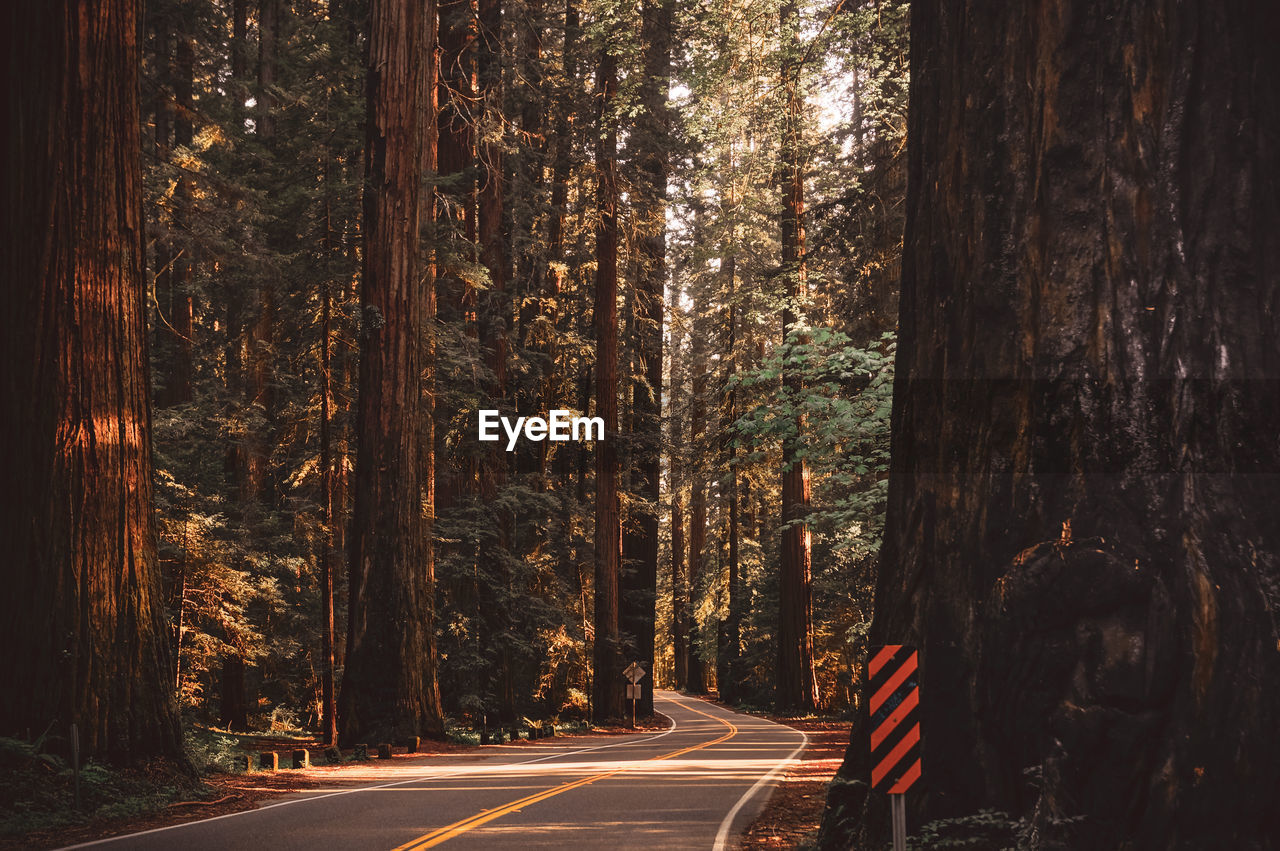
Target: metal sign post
[893,688]
[634,674]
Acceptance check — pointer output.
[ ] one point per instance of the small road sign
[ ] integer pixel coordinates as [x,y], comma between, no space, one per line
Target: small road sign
[634,672]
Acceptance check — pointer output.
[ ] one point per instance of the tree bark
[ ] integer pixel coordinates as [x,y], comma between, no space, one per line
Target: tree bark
[390,689]
[607,663]
[455,221]
[677,462]
[493,332]
[729,645]
[493,309]
[797,687]
[261,329]
[1081,534]
[82,620]
[234,709]
[640,542]
[178,323]
[233,351]
[696,678]
[328,497]
[172,90]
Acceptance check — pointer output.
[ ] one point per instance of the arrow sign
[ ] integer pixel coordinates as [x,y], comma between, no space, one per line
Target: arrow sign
[634,672]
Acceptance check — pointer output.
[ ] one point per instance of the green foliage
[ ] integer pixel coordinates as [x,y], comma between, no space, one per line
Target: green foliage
[37,790]
[844,399]
[728,203]
[985,830]
[269,225]
[211,750]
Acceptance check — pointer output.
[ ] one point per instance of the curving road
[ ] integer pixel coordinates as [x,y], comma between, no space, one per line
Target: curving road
[696,785]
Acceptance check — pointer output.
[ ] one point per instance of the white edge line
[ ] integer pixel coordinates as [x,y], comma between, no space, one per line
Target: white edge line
[722,836]
[418,779]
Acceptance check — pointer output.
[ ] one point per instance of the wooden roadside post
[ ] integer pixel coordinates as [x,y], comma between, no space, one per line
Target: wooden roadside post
[269,761]
[301,758]
[893,696]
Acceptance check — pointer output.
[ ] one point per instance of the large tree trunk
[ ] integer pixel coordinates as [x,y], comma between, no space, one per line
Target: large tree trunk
[259,395]
[233,350]
[390,690]
[1082,530]
[677,460]
[173,302]
[178,320]
[328,497]
[729,635]
[234,709]
[679,590]
[82,619]
[493,254]
[607,664]
[492,316]
[640,543]
[696,673]
[797,688]
[455,223]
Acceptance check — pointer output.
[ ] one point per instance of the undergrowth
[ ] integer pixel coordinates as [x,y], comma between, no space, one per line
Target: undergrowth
[37,788]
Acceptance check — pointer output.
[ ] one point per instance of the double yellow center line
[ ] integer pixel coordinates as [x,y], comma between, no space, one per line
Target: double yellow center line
[458,828]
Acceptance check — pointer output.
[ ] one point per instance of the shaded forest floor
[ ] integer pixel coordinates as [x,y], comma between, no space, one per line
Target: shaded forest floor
[791,817]
[223,793]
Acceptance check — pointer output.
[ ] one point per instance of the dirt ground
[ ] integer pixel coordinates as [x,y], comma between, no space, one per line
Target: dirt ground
[791,818]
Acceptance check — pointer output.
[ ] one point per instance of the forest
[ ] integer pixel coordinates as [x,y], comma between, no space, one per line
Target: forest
[947,324]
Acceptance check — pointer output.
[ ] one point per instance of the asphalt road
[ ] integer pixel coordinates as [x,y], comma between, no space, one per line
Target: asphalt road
[697,784]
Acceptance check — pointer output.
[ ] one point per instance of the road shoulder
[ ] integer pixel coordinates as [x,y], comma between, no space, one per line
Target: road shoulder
[791,817]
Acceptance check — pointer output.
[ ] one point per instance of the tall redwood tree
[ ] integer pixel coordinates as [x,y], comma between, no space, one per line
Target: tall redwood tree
[607,683]
[82,619]
[640,542]
[1082,533]
[390,689]
[797,689]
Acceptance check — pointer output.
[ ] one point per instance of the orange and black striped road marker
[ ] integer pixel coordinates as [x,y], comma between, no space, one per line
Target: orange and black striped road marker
[893,686]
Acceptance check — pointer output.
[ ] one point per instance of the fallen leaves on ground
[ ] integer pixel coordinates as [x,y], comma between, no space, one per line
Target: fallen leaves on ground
[794,811]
